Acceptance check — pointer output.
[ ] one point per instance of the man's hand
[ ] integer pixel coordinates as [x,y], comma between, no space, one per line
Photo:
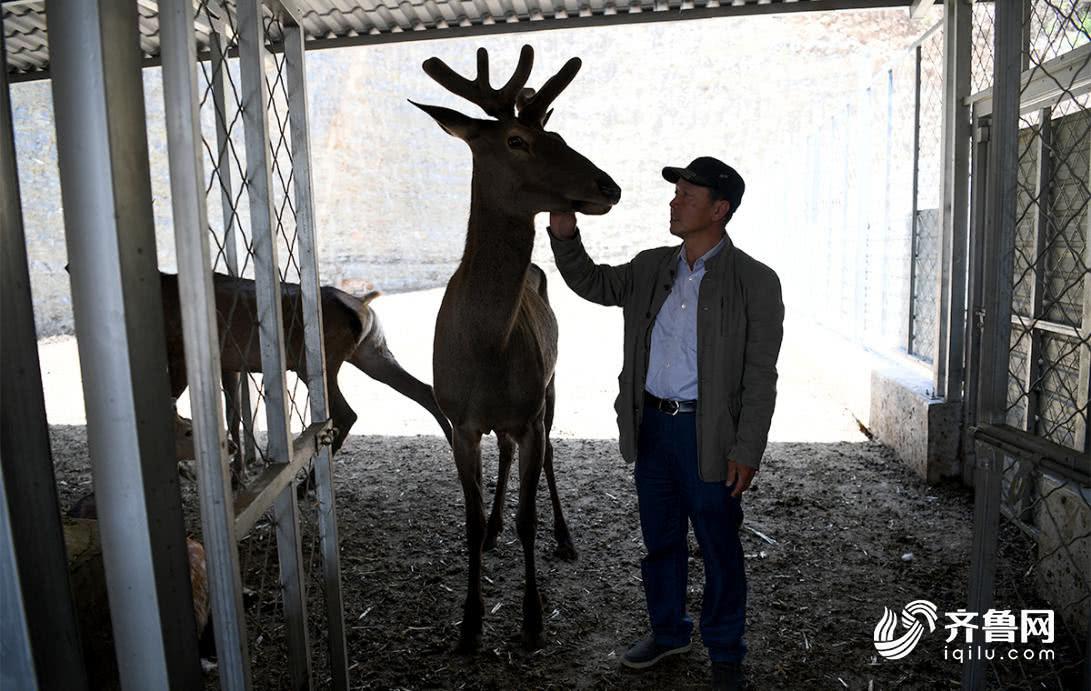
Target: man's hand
[562,224]
[739,475]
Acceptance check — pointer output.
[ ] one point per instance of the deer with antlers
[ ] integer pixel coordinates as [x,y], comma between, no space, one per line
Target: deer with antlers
[495,346]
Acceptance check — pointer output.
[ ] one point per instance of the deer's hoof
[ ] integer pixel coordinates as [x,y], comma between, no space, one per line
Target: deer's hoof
[533,640]
[468,645]
[566,551]
[238,479]
[187,470]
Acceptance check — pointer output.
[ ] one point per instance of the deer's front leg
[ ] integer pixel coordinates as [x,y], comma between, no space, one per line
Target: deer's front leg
[467,449]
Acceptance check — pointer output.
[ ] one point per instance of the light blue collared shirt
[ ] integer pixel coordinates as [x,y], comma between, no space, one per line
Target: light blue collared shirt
[672,363]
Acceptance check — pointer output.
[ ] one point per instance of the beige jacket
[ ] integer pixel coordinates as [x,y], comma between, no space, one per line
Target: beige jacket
[740,325]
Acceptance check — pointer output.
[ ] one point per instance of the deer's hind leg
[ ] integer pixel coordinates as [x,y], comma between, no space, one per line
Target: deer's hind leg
[496,519]
[531,457]
[232,401]
[467,450]
[344,417]
[340,413]
[565,549]
[373,358]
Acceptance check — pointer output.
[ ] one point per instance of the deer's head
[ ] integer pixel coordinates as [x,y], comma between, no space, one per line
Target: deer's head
[528,168]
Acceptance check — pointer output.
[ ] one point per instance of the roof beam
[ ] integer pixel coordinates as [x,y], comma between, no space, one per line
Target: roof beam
[920,8]
[290,11]
[574,22]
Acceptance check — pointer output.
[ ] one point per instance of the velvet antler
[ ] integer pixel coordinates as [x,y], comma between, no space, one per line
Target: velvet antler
[495,102]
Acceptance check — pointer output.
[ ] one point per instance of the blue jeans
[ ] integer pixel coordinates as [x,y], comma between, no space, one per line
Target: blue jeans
[671,495]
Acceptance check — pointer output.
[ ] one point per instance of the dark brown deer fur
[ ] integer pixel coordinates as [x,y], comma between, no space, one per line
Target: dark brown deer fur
[352,334]
[495,346]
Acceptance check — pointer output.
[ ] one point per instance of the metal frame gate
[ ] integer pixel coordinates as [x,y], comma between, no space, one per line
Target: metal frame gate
[254,51]
[1029,331]
[270,46]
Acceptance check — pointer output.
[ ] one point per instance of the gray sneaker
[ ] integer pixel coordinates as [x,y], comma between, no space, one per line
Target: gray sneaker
[646,652]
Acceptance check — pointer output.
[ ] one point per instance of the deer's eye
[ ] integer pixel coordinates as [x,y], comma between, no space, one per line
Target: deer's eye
[516,142]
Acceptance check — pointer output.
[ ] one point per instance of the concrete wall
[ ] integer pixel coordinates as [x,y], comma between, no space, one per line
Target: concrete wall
[1063,517]
[922,430]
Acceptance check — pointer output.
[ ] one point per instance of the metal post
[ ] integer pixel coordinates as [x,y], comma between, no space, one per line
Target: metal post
[948,366]
[237,382]
[17,668]
[271,330]
[974,290]
[998,256]
[1041,227]
[202,348]
[39,635]
[863,231]
[980,126]
[315,346]
[987,487]
[887,184]
[102,150]
[844,314]
[1000,235]
[1083,385]
[914,221]
[1025,44]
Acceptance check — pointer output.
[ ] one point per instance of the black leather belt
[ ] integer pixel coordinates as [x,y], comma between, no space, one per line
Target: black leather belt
[668,406]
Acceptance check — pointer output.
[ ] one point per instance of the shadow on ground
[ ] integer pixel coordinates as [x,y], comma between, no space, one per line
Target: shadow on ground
[836,521]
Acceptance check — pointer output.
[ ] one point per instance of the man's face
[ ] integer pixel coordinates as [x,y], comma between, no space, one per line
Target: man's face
[693,211]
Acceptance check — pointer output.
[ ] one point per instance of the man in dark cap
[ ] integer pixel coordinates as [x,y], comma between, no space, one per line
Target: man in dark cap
[703,328]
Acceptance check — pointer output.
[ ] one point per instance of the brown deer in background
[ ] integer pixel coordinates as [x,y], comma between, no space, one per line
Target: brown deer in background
[495,346]
[350,328]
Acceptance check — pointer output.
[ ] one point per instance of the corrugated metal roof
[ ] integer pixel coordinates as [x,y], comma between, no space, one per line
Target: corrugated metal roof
[333,23]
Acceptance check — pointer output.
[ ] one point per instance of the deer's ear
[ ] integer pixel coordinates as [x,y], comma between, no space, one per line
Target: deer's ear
[453,122]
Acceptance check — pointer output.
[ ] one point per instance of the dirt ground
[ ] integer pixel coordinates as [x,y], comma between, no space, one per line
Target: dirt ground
[840,519]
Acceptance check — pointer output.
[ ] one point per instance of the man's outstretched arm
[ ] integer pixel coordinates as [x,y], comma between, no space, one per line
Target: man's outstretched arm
[601,283]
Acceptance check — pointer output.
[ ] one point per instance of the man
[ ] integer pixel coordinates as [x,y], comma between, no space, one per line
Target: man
[703,328]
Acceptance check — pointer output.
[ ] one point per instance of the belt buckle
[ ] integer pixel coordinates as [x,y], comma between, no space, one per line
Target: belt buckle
[671,407]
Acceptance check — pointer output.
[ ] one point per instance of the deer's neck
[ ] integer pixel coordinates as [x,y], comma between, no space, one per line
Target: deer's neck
[495,262]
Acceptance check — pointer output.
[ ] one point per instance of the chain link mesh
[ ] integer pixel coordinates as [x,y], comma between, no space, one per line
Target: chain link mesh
[1049,343]
[981,69]
[928,203]
[228,198]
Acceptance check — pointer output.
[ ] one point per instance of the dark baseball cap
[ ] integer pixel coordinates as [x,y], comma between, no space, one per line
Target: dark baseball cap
[712,173]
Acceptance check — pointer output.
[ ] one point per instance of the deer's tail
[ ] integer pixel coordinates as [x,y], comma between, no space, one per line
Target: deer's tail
[363,319]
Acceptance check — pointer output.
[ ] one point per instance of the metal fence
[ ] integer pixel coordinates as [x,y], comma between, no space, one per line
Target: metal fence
[1030,300]
[871,188]
[258,205]
[247,291]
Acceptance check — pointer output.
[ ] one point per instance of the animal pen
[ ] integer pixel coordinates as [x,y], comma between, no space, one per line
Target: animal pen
[989,183]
